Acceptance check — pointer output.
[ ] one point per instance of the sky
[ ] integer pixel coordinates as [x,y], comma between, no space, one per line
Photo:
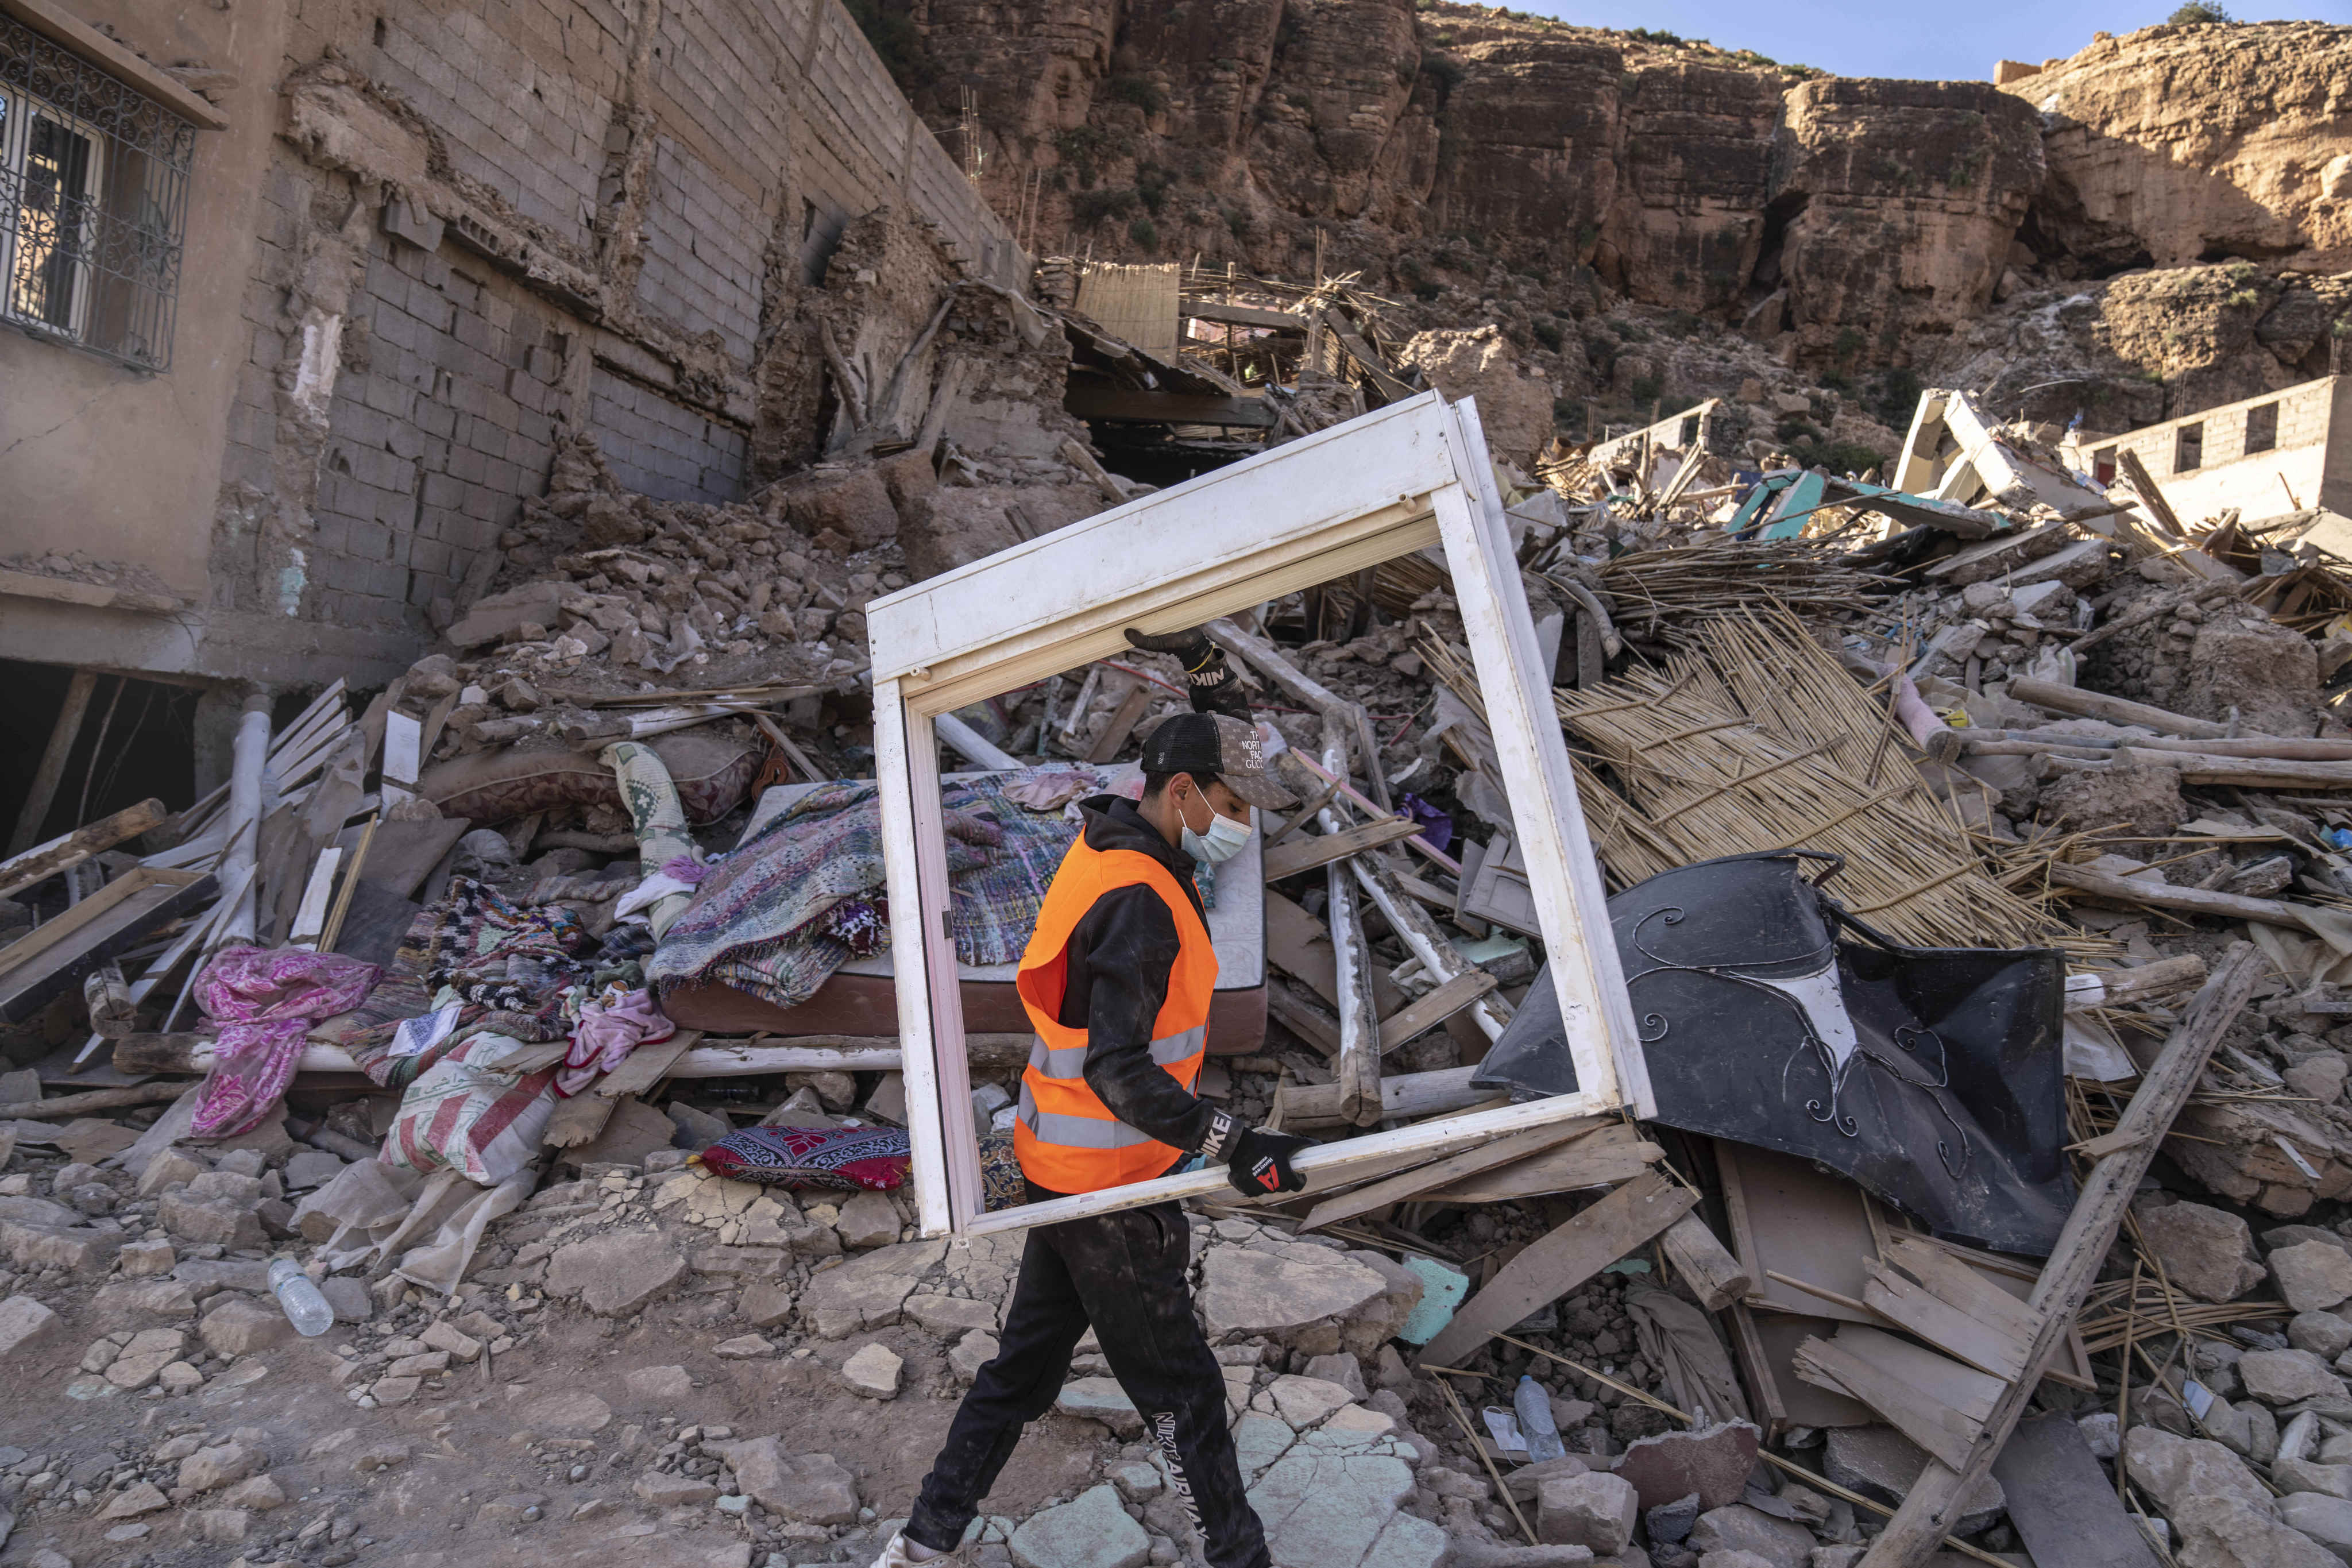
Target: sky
[1870,37]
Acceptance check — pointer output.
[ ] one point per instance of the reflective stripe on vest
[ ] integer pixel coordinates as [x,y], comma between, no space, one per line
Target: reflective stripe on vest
[1066,1139]
[1071,1062]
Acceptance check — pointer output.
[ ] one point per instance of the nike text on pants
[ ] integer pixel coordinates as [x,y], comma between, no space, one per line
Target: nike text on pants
[1123,1274]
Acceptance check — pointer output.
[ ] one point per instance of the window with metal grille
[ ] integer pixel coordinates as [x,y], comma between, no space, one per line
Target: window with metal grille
[93,203]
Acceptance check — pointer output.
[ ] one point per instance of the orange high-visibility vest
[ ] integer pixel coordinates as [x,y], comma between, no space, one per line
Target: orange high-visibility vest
[1066,1139]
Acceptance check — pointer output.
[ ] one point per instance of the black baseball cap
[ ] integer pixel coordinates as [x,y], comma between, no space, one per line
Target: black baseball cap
[1206,743]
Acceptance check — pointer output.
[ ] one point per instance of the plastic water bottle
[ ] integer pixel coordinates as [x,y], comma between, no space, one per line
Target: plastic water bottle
[1533,1402]
[305,1308]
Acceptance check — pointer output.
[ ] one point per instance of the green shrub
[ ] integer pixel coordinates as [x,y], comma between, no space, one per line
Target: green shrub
[1427,290]
[2199,11]
[1093,206]
[1444,70]
[1151,184]
[898,41]
[1547,333]
[1895,396]
[1145,233]
[1646,387]
[1140,91]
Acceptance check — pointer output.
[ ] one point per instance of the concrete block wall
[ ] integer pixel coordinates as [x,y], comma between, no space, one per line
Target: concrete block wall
[435,437]
[521,91]
[704,239]
[658,445]
[2304,418]
[772,121]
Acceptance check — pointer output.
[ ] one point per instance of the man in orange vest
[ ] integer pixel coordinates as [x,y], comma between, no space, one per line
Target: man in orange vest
[1117,980]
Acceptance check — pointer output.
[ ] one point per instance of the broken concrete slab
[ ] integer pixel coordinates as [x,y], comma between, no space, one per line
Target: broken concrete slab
[1245,1291]
[1739,1528]
[806,1488]
[2312,1276]
[1713,1462]
[1596,1511]
[616,1274]
[2206,1252]
[869,1292]
[1091,1531]
[1882,1464]
[874,1371]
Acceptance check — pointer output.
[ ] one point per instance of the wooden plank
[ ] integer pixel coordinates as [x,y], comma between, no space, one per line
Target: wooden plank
[1241,315]
[52,769]
[1123,719]
[1432,1009]
[117,60]
[1402,1096]
[645,1067]
[1320,849]
[1942,1324]
[1830,1363]
[1311,809]
[1789,1217]
[310,915]
[1414,1182]
[2061,1503]
[2144,485]
[1605,1158]
[1302,1019]
[1297,944]
[69,929]
[404,853]
[46,860]
[2085,704]
[1934,1499]
[1120,405]
[1358,1064]
[1570,1255]
[1953,1281]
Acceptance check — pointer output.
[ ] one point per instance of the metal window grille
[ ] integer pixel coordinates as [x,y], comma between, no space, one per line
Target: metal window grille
[93,203]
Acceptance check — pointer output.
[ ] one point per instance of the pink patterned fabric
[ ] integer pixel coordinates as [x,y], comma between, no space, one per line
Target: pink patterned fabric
[611,1026]
[265,1001]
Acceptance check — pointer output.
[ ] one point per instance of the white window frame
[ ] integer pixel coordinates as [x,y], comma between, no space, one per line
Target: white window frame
[16,147]
[1402,479]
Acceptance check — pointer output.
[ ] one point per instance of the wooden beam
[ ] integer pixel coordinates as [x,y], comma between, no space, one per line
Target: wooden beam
[1301,1018]
[2144,485]
[2188,900]
[1608,1157]
[95,1100]
[109,923]
[1123,719]
[2114,710]
[2247,772]
[1241,315]
[1422,1178]
[88,595]
[1402,1097]
[1424,1015]
[1320,849]
[1570,1255]
[1706,1265]
[52,767]
[1933,1503]
[1130,405]
[46,860]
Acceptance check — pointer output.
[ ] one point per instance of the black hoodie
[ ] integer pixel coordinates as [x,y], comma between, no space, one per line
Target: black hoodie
[1120,957]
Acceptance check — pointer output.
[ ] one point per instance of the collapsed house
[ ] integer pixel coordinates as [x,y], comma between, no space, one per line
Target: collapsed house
[1821,995]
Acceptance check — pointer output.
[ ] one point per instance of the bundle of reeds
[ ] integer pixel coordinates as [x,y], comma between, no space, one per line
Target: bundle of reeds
[1667,597]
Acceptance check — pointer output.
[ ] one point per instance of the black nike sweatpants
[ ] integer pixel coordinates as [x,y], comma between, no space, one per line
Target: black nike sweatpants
[1123,1274]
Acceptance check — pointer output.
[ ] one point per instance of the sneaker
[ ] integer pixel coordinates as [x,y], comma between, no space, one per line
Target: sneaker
[901,1552]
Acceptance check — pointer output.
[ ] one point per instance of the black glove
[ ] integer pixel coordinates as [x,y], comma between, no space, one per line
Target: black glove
[1260,1165]
[1215,689]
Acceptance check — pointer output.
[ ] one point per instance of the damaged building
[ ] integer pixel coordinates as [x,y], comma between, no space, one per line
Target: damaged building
[585,625]
[308,298]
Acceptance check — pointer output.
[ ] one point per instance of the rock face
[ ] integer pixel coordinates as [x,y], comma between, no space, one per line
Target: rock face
[1905,196]
[2174,143]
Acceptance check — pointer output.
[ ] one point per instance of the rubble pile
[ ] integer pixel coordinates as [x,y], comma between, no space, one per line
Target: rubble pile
[545,1033]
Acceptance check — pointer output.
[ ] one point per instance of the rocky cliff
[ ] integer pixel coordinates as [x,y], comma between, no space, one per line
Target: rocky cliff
[2159,213]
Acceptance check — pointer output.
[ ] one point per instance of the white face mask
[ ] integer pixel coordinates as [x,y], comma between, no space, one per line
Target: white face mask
[1222,841]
